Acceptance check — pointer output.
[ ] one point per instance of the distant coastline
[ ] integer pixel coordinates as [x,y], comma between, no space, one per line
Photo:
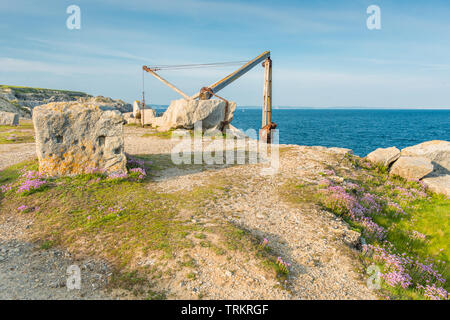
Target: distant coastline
[161,106]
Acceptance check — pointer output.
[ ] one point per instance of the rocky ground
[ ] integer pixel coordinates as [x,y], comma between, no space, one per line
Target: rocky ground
[320,247]
[29,272]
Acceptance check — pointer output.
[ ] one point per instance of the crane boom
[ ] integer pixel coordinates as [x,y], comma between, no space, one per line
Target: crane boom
[219,85]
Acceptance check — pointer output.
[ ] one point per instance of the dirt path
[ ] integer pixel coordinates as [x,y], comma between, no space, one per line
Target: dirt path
[319,245]
[15,153]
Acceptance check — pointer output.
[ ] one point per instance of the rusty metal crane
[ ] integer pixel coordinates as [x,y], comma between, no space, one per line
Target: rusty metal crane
[206,93]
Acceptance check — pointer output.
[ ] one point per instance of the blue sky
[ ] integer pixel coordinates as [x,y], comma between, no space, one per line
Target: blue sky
[323,54]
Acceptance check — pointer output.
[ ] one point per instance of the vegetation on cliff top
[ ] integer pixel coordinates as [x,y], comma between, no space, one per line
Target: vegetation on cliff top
[405,227]
[25,90]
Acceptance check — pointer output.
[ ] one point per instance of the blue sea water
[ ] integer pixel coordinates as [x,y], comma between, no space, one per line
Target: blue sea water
[360,130]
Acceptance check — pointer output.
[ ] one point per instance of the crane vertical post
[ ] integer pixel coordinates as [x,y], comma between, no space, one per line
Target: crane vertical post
[143,110]
[267,99]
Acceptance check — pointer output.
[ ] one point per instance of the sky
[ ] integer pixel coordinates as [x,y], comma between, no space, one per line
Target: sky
[323,53]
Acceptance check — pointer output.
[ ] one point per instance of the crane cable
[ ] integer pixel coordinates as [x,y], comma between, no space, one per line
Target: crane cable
[196,66]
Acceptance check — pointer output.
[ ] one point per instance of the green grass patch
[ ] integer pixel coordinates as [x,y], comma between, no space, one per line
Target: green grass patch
[414,223]
[23,133]
[120,220]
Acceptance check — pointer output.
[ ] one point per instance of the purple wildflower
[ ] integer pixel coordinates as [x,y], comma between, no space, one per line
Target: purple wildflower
[417,235]
[29,185]
[434,293]
[6,187]
[22,208]
[140,171]
[118,176]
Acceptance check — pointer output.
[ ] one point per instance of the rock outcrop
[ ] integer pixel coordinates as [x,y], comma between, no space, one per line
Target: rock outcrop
[13,107]
[74,138]
[32,97]
[9,118]
[26,98]
[384,156]
[412,168]
[213,114]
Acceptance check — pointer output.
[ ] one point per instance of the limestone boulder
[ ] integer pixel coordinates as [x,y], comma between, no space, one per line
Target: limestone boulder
[438,184]
[74,138]
[384,156]
[137,109]
[411,168]
[186,113]
[9,118]
[148,116]
[129,118]
[437,151]
[101,101]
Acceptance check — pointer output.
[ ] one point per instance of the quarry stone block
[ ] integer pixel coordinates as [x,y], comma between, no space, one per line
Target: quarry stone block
[74,138]
[147,116]
[384,156]
[183,114]
[412,168]
[137,109]
[9,118]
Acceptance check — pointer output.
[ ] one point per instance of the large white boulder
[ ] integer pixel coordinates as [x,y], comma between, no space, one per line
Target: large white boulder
[74,138]
[9,118]
[384,156]
[437,151]
[185,113]
[411,168]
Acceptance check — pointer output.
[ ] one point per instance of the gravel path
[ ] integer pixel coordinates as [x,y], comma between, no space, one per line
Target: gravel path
[320,246]
[15,153]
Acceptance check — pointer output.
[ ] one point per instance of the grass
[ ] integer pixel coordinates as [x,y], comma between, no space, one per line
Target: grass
[432,218]
[23,133]
[401,208]
[122,220]
[163,134]
[46,245]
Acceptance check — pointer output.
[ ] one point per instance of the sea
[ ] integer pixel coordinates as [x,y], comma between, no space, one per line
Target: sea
[362,130]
